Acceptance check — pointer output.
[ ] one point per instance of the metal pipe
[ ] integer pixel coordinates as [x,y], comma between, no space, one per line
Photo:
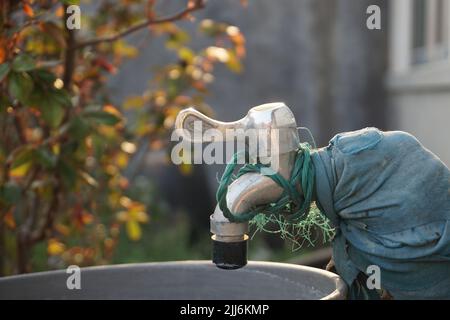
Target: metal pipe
[277,123]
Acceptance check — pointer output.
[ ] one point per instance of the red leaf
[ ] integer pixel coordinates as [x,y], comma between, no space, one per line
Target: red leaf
[104,64]
[28,10]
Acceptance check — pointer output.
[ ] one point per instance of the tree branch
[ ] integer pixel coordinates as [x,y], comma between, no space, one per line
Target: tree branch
[49,218]
[19,129]
[193,6]
[69,58]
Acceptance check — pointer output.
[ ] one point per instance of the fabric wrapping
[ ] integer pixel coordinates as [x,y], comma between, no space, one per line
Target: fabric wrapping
[389,199]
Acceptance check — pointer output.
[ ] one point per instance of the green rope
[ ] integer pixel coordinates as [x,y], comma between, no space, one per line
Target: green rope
[295,214]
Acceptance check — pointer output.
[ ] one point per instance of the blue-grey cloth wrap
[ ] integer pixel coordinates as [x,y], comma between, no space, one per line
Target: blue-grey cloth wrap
[389,198]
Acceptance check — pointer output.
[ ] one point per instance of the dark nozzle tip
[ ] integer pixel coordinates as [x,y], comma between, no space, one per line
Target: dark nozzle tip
[230,255]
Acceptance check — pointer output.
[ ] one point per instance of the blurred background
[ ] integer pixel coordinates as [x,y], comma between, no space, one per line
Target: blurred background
[224,57]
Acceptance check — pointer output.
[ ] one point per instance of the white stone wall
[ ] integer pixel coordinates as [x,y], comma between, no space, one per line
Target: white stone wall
[418,94]
[426,115]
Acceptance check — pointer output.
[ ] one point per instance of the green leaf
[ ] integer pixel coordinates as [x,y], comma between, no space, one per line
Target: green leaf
[70,1]
[211,28]
[69,148]
[177,39]
[133,230]
[102,117]
[121,48]
[233,62]
[4,69]
[68,174]
[10,193]
[20,85]
[23,62]
[78,128]
[186,54]
[54,31]
[134,102]
[46,158]
[45,76]
[62,97]
[52,112]
[24,156]
[51,103]
[4,103]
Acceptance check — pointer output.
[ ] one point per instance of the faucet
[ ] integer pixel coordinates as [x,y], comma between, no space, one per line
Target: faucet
[277,124]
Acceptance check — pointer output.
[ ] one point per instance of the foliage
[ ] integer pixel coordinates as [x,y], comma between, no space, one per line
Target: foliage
[64,145]
[308,230]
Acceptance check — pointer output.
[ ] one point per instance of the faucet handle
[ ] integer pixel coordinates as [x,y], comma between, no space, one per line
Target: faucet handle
[193,124]
[275,121]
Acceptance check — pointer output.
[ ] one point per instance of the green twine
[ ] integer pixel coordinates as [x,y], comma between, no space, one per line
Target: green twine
[295,215]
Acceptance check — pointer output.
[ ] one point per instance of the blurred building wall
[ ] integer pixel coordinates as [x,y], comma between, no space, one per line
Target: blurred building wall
[419,72]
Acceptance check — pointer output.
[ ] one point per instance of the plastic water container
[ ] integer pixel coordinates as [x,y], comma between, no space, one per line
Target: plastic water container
[197,280]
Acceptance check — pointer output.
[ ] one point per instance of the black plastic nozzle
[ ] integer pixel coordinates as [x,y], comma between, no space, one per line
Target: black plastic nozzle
[230,255]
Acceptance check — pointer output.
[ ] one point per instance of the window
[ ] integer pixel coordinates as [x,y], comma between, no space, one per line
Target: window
[430,30]
[419,37]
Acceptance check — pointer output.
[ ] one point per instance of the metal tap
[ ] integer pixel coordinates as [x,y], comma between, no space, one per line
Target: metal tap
[277,123]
